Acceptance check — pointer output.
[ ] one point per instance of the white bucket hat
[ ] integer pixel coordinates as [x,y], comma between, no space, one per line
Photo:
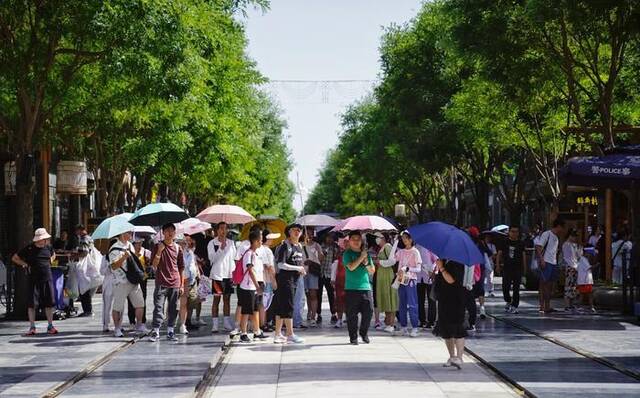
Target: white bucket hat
[41,234]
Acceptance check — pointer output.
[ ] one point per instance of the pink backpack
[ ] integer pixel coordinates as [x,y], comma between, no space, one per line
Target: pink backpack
[238,274]
[477,273]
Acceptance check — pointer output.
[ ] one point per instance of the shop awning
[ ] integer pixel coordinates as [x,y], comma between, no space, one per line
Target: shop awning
[619,169]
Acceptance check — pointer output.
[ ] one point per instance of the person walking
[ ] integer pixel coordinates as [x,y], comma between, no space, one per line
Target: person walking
[144,256]
[107,293]
[358,295]
[338,281]
[36,259]
[512,262]
[190,277]
[547,247]
[621,250]
[313,257]
[451,307]
[426,305]
[222,254]
[121,258]
[386,295]
[266,276]
[409,266]
[249,287]
[330,254]
[289,259]
[168,264]
[571,253]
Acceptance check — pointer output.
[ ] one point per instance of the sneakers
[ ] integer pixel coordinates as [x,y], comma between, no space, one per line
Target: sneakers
[429,326]
[365,339]
[414,332]
[334,319]
[483,313]
[295,339]
[507,308]
[52,330]
[183,329]
[514,310]
[313,324]
[200,322]
[245,339]
[301,326]
[593,310]
[447,364]
[404,332]
[234,332]
[279,339]
[117,332]
[390,329]
[338,324]
[471,328]
[214,327]
[142,329]
[354,342]
[378,326]
[31,332]
[261,336]
[319,320]
[171,336]
[154,336]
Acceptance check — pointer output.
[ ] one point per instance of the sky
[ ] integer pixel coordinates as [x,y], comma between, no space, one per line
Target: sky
[319,40]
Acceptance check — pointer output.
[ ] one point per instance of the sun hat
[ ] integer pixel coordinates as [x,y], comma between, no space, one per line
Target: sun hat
[41,234]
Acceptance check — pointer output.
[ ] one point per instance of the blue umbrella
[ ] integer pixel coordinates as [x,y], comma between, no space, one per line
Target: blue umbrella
[447,242]
[157,214]
[112,226]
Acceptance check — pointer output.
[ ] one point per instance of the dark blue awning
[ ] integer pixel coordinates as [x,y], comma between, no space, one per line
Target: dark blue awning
[620,169]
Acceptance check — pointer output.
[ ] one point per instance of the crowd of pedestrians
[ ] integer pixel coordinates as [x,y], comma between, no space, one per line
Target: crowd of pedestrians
[377,281]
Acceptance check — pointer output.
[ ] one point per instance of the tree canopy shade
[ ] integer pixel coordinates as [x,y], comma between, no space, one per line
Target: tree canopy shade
[162,89]
[485,96]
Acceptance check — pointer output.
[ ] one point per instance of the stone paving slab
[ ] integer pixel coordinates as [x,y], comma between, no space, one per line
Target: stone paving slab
[328,366]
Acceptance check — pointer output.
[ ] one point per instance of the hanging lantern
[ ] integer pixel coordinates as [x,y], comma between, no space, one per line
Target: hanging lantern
[71,177]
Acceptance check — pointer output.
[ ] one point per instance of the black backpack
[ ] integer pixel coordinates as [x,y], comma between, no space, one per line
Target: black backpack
[134,272]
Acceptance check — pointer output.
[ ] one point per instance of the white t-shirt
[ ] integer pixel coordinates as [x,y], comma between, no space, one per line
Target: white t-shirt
[551,241]
[266,255]
[222,260]
[625,249]
[585,276]
[570,254]
[312,252]
[250,259]
[120,274]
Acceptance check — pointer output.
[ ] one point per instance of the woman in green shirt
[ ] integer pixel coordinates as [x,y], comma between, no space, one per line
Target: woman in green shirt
[386,296]
[358,298]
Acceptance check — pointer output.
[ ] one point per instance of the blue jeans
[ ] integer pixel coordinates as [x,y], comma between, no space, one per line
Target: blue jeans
[408,295]
[298,302]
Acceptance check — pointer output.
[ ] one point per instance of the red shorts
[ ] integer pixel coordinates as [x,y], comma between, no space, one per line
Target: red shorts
[585,289]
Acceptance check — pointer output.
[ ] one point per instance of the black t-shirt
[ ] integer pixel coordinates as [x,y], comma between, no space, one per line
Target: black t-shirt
[512,253]
[39,260]
[289,253]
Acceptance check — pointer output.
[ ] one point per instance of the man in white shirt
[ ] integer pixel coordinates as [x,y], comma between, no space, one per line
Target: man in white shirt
[222,255]
[266,274]
[547,247]
[119,253]
[621,252]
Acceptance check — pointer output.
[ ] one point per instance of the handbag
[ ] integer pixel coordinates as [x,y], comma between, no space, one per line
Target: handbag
[314,268]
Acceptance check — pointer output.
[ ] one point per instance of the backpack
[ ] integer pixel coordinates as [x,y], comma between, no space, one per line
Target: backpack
[238,273]
[134,272]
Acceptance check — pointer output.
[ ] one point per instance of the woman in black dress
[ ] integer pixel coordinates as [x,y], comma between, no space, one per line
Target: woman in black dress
[451,306]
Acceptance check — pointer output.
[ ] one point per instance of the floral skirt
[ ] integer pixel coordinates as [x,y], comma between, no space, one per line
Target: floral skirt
[570,283]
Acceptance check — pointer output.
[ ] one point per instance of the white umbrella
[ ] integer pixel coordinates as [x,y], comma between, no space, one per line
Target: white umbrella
[317,220]
[192,226]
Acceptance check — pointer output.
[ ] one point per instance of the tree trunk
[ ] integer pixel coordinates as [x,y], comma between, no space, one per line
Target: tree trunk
[25,199]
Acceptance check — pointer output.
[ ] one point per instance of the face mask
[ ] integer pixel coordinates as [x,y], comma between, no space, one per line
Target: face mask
[378,241]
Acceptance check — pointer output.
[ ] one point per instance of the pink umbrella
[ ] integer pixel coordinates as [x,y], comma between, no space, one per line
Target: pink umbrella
[365,224]
[225,213]
[192,226]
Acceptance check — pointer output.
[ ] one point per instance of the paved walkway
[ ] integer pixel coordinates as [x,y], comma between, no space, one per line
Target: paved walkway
[327,366]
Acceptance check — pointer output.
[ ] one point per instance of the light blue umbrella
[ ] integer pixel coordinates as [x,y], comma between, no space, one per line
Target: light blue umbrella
[112,227]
